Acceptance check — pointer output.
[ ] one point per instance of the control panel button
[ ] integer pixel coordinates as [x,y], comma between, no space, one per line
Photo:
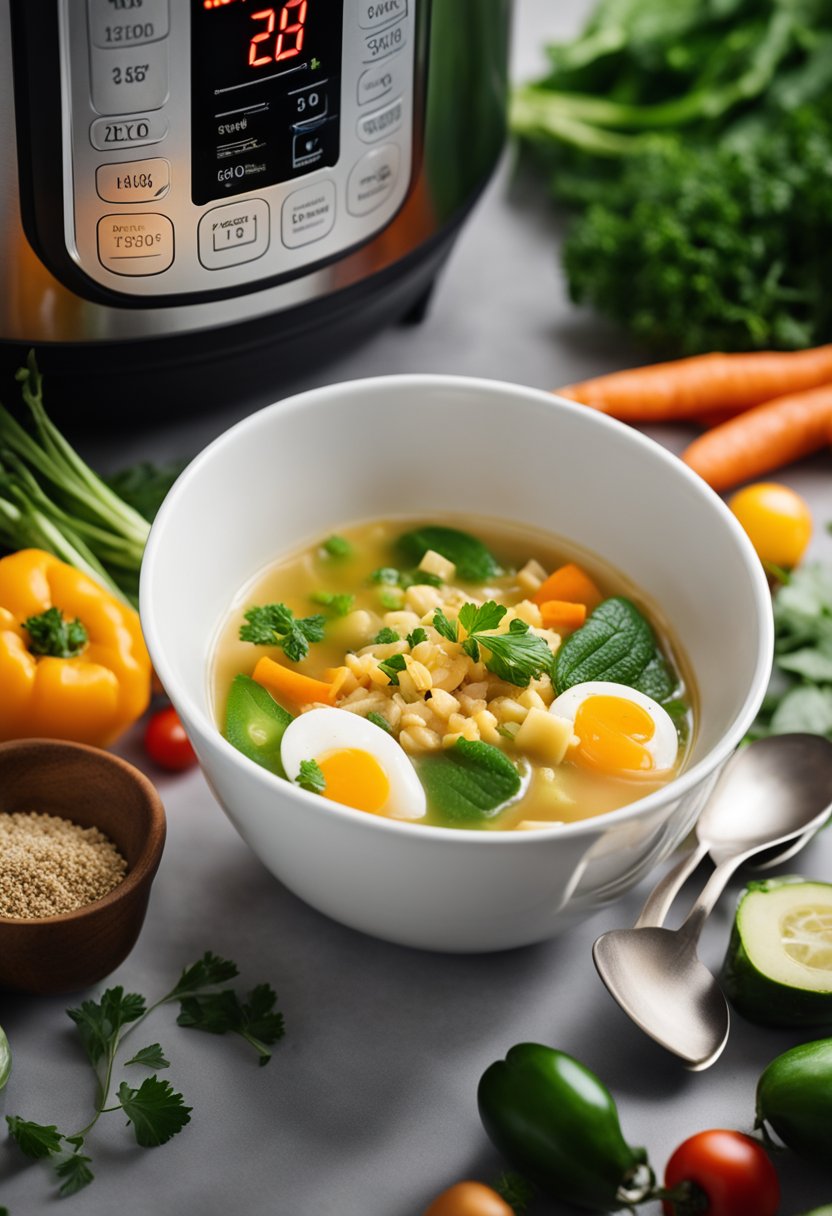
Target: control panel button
[128,81]
[117,23]
[308,147]
[133,181]
[136,244]
[310,104]
[385,42]
[308,214]
[372,179]
[237,232]
[129,131]
[381,123]
[376,82]
[374,13]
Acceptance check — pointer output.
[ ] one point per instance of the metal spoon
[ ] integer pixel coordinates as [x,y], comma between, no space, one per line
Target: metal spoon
[655,974]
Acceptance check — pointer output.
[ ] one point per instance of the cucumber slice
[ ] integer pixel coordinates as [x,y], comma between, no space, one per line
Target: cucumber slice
[255,723]
[5,1059]
[778,968]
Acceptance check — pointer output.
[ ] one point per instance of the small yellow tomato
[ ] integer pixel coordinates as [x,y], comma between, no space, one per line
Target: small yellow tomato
[469,1199]
[778,521]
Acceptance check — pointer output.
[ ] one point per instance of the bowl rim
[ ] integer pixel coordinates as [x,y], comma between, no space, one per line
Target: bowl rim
[687,780]
[151,851]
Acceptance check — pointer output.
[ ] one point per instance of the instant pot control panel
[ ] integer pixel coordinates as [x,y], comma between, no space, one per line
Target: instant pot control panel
[216,144]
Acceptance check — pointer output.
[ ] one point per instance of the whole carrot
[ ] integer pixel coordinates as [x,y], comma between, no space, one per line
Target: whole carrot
[763,438]
[687,388]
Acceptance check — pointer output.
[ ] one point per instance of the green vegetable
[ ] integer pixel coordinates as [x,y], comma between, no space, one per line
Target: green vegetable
[340,603]
[393,666]
[390,600]
[276,625]
[794,1098]
[310,777]
[5,1060]
[694,142]
[474,562]
[391,577]
[145,486]
[778,968]
[51,634]
[517,656]
[445,628]
[555,1122]
[154,1110]
[418,635]
[385,636]
[386,575]
[615,644]
[255,723]
[337,547]
[379,720]
[469,782]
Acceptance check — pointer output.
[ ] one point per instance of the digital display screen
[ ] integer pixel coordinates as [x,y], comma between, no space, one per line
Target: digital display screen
[265,92]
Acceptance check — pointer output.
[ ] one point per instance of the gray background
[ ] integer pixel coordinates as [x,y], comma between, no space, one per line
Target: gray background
[368,1107]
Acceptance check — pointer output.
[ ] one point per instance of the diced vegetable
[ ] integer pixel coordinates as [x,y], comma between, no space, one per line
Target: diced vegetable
[616,644]
[544,736]
[469,782]
[794,1098]
[255,723]
[474,562]
[337,547]
[571,584]
[562,615]
[288,685]
[778,968]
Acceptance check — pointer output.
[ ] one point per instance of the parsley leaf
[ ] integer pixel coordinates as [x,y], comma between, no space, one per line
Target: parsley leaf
[341,603]
[517,656]
[75,1172]
[155,1110]
[479,620]
[52,634]
[310,777]
[418,635]
[99,1022]
[205,973]
[255,1019]
[276,625]
[385,636]
[150,1057]
[392,666]
[378,719]
[448,629]
[36,1140]
[337,546]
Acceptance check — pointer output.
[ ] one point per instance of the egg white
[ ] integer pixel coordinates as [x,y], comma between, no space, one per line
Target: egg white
[319,731]
[663,747]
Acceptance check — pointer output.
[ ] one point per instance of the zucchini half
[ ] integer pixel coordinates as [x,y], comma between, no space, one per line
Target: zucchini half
[778,968]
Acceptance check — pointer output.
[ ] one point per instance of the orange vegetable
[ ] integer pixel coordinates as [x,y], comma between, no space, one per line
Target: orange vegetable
[687,388]
[469,1199]
[287,685]
[571,584]
[762,439]
[562,615]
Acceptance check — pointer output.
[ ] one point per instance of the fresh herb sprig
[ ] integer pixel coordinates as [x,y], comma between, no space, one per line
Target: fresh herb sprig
[155,1111]
[518,656]
[52,634]
[310,777]
[277,625]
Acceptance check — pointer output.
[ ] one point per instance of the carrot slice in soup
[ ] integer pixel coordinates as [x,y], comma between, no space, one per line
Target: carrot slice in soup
[571,584]
[290,686]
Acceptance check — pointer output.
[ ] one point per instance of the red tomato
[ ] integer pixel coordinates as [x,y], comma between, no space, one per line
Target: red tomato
[166,743]
[732,1171]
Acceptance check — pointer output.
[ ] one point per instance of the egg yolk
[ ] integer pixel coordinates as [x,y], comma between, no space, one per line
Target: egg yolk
[612,732]
[355,778]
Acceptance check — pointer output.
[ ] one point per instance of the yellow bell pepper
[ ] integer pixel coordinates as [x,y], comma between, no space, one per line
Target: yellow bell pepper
[73,663]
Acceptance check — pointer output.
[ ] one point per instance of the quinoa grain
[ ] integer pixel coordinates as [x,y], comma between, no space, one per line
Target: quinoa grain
[50,865]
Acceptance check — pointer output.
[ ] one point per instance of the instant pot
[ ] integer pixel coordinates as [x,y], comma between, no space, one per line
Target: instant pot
[206,189]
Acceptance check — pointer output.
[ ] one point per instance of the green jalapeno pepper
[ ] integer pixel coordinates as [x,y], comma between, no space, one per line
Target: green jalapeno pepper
[794,1097]
[558,1124]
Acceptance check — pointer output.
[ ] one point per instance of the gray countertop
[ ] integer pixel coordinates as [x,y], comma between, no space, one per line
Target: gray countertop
[368,1107]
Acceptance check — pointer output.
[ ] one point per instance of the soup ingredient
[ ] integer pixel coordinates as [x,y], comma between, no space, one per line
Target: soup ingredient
[616,644]
[154,1110]
[83,672]
[50,865]
[690,388]
[341,604]
[619,729]
[310,775]
[337,547]
[569,584]
[794,1099]
[764,438]
[5,1060]
[474,562]
[562,616]
[469,1199]
[292,686]
[276,625]
[778,967]
[469,782]
[166,742]
[517,656]
[723,1173]
[558,1124]
[778,522]
[255,723]
[362,767]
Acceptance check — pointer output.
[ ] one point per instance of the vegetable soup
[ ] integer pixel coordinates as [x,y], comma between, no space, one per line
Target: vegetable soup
[487,678]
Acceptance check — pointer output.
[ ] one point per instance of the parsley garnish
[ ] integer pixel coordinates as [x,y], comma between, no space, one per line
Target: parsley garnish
[154,1109]
[379,720]
[392,666]
[385,636]
[448,629]
[340,603]
[51,634]
[337,546]
[310,777]
[418,635]
[389,599]
[516,657]
[387,575]
[276,625]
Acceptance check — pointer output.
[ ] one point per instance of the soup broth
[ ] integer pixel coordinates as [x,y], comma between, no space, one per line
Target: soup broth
[393,643]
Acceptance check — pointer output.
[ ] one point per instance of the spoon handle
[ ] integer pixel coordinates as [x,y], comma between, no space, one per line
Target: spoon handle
[659,901]
[692,925]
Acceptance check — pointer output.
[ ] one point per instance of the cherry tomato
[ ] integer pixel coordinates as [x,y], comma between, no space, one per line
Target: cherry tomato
[469,1199]
[732,1171]
[777,520]
[166,743]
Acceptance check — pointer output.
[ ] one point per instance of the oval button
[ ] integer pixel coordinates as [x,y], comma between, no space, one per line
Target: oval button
[129,131]
[135,244]
[133,181]
[378,81]
[372,180]
[381,123]
[373,13]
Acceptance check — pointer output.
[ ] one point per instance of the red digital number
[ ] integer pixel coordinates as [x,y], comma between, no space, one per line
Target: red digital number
[256,59]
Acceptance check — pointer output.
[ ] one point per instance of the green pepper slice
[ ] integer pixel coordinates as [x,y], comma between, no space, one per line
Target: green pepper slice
[558,1125]
[255,723]
[794,1097]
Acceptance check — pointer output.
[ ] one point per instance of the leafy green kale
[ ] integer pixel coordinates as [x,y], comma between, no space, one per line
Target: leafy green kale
[50,633]
[310,777]
[276,625]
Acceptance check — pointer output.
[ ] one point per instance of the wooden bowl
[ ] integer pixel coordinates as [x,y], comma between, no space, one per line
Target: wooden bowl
[93,788]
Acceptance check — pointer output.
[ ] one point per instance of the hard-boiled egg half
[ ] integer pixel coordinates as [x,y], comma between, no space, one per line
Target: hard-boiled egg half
[363,766]
[620,731]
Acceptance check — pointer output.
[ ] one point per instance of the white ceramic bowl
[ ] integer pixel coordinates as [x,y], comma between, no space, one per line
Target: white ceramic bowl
[428,446]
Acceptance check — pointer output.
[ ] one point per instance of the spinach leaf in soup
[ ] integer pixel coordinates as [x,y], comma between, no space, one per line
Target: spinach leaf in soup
[468,783]
[474,562]
[617,644]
